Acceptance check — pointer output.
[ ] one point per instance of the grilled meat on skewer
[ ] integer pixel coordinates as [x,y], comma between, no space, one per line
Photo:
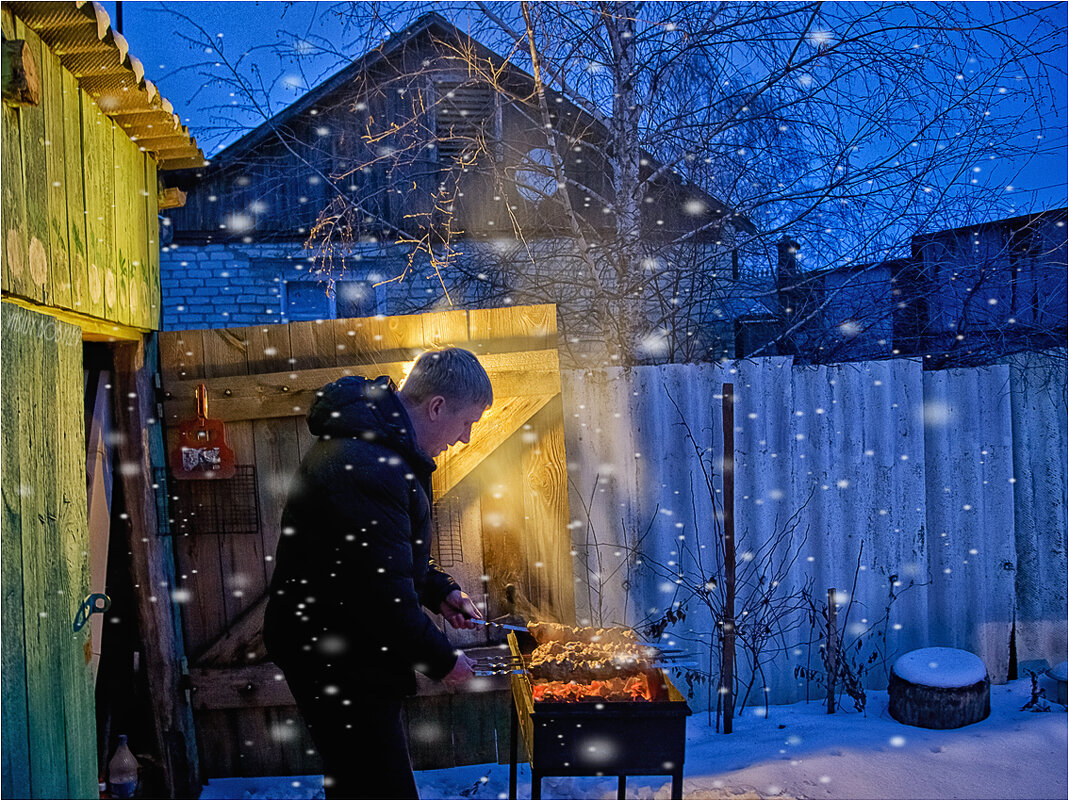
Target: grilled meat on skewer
[586,661]
[557,632]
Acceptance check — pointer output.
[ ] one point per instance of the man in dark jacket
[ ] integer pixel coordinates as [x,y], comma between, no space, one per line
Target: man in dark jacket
[353,568]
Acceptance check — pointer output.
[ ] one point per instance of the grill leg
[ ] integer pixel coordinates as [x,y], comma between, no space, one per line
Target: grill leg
[621,786]
[677,783]
[514,733]
[536,785]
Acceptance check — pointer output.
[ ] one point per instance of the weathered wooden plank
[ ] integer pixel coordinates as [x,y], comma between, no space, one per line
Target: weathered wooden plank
[396,338]
[217,742]
[444,329]
[15,744]
[32,142]
[244,633]
[139,257]
[181,359]
[78,689]
[267,350]
[197,556]
[297,751]
[98,217]
[430,743]
[45,607]
[13,191]
[546,513]
[518,328]
[126,185]
[312,344]
[259,752]
[280,394]
[74,189]
[152,308]
[133,189]
[276,441]
[478,720]
[503,530]
[151,567]
[238,688]
[226,352]
[55,179]
[357,334]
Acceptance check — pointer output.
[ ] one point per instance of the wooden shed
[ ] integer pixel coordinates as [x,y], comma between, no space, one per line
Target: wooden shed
[84,135]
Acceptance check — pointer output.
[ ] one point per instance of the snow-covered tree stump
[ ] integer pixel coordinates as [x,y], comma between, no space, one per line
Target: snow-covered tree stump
[1060,674]
[939,688]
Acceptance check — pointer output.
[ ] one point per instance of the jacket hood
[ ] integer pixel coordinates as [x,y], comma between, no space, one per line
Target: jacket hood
[357,407]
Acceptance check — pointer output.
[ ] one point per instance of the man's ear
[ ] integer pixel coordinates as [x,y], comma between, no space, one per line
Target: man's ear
[434,407]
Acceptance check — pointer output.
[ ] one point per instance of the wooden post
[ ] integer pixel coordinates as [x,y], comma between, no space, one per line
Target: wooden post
[152,566]
[831,654]
[728,658]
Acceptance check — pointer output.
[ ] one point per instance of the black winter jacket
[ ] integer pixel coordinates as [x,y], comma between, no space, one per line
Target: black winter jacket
[353,563]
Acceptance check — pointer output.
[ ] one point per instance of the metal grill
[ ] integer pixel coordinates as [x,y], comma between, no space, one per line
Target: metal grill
[615,738]
[208,506]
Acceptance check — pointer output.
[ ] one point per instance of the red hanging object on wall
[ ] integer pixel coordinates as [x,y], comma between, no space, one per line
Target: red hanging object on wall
[202,450]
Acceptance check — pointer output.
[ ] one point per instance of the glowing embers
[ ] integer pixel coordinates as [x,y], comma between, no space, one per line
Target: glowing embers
[621,688]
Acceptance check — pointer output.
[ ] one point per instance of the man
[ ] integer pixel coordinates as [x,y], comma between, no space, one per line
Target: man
[353,567]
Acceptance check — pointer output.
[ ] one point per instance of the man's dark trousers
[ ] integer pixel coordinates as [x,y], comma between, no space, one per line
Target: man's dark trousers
[357,728]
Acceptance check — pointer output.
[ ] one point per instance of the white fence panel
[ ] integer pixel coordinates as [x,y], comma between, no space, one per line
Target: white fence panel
[901,482]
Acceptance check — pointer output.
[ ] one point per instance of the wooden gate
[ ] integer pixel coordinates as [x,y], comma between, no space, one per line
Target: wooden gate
[501,513]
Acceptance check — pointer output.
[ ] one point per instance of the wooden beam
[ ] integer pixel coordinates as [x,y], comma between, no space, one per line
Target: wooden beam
[240,688]
[289,394]
[171,197]
[503,420]
[243,636]
[93,328]
[21,79]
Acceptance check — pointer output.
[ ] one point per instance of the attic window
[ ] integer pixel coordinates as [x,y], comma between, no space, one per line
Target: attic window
[464,121]
[534,178]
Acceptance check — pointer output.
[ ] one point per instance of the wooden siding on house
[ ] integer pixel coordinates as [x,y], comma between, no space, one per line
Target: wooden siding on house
[419,96]
[79,203]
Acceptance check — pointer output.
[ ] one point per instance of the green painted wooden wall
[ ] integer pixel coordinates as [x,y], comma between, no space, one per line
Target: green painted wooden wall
[80,224]
[49,721]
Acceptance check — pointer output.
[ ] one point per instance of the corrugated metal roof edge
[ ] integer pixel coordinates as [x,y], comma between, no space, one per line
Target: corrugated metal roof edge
[175,148]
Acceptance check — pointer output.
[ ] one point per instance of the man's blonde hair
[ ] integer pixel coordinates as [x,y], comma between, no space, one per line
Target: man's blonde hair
[453,373]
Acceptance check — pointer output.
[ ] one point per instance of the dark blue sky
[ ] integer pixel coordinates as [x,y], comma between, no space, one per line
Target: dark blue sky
[240,27]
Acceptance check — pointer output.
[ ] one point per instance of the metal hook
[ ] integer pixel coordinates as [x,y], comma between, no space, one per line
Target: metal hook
[97,603]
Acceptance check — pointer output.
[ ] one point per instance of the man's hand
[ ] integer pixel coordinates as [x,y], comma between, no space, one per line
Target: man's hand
[459,609]
[462,671]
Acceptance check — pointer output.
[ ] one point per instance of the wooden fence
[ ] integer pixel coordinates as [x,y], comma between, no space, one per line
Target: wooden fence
[502,512]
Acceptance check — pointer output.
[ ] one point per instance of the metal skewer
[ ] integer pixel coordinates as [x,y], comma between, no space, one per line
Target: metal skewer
[508,626]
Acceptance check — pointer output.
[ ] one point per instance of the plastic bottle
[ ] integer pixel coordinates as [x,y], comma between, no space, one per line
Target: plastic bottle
[122,771]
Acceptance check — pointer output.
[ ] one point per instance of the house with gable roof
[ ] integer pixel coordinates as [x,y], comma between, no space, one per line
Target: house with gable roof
[475,160]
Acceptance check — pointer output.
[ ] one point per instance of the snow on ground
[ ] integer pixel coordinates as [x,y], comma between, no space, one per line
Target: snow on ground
[799,751]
